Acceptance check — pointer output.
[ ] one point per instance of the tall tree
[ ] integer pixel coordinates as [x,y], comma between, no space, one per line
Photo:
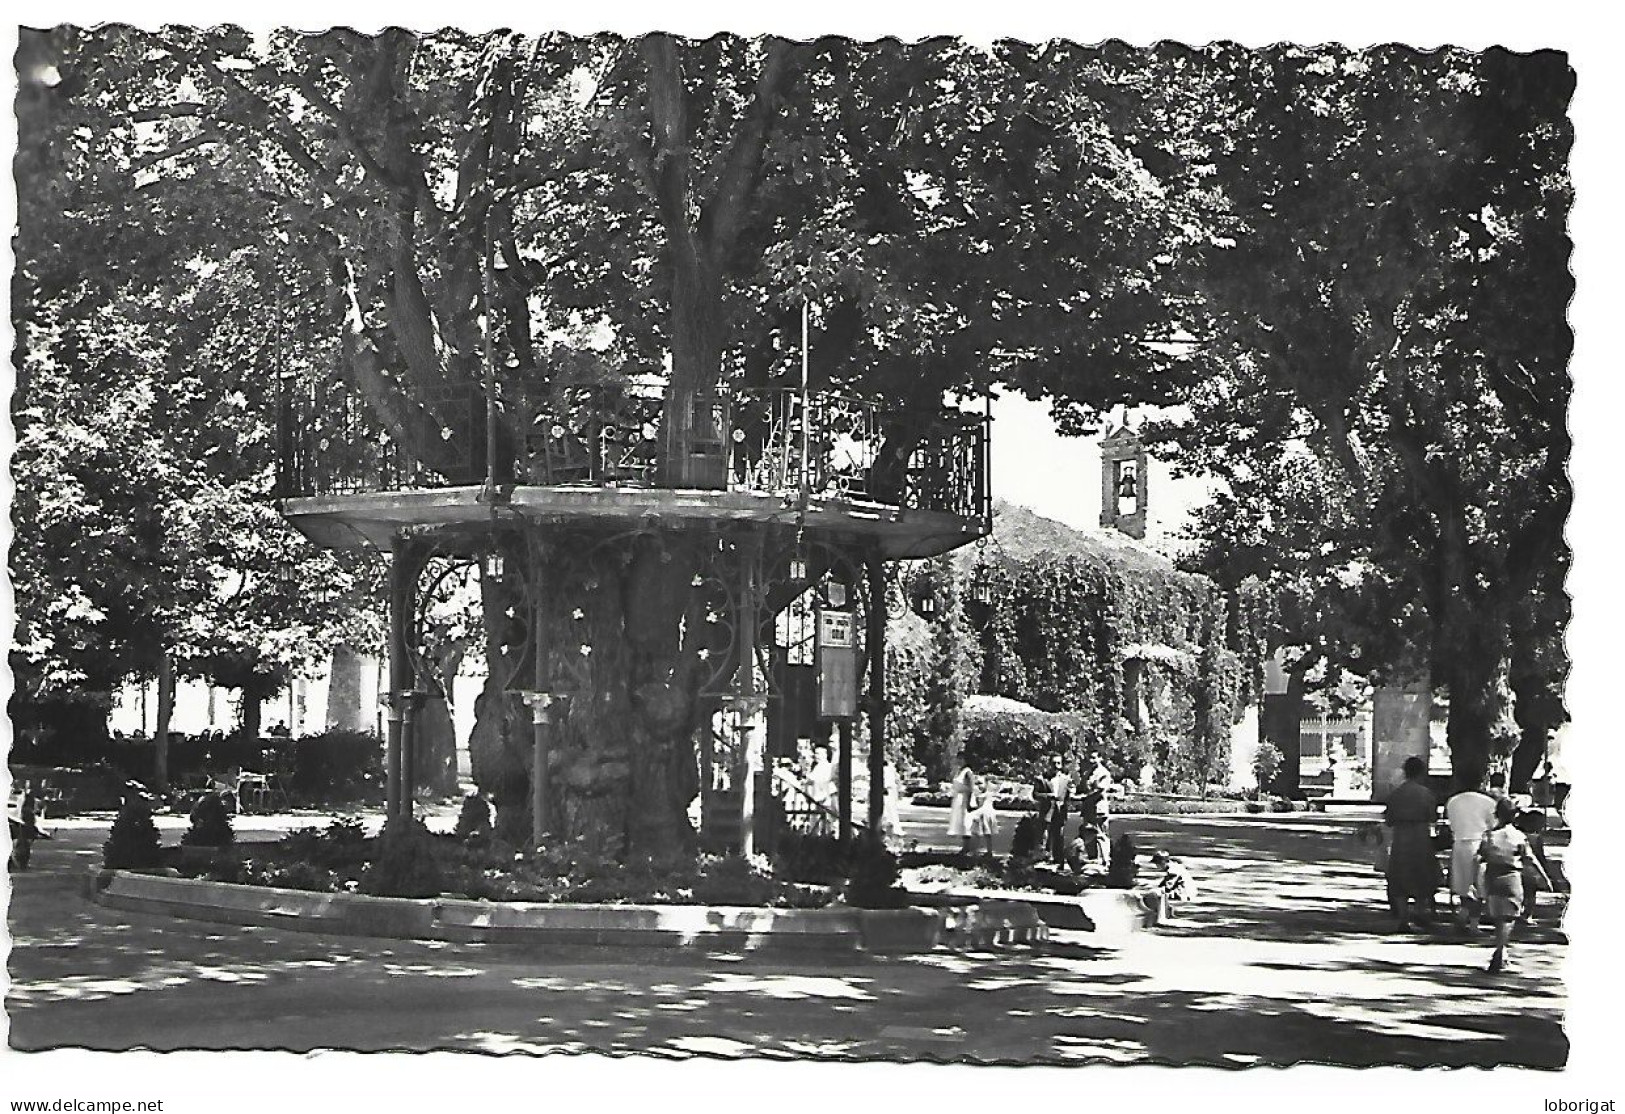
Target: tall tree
[959,216]
[145,448]
[1381,376]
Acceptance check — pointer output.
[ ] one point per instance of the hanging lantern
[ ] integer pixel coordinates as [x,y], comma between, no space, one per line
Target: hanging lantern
[981,586]
[925,604]
[798,564]
[493,567]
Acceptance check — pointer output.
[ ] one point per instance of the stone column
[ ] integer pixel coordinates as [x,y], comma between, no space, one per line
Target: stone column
[398,767]
[1399,729]
[541,715]
[875,644]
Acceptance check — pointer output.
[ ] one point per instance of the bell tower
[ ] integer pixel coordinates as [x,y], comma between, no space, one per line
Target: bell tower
[1123,481]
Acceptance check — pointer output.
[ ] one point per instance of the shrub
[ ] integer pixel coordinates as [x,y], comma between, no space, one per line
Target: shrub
[342,844]
[980,876]
[474,821]
[1171,806]
[1027,842]
[340,765]
[874,876]
[734,880]
[133,842]
[211,823]
[810,858]
[1122,868]
[1266,764]
[287,876]
[406,865]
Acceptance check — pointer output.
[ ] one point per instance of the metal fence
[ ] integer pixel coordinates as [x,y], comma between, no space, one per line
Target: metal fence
[825,446]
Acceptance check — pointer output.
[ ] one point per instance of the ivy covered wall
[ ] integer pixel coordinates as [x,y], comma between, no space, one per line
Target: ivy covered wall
[1155,664]
[1148,663]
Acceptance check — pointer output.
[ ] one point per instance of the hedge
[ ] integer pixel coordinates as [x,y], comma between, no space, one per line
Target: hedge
[334,767]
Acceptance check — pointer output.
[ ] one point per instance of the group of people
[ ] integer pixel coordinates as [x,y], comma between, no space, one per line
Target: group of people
[971,817]
[820,785]
[23,815]
[1495,865]
[1088,854]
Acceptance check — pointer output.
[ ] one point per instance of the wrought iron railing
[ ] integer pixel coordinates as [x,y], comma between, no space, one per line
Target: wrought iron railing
[598,436]
[826,447]
[331,443]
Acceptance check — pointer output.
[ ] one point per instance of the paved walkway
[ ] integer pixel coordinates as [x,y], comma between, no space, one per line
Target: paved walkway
[1284,959]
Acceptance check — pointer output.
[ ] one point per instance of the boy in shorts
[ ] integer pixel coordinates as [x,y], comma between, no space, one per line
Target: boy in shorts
[1507,856]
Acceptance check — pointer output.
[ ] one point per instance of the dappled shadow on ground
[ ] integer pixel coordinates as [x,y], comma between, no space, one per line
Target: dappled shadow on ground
[1281,962]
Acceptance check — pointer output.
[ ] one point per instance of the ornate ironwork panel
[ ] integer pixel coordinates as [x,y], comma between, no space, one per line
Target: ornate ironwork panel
[826,447]
[596,436]
[948,469]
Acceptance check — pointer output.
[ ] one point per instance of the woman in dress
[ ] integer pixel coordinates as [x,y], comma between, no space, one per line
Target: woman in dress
[983,821]
[823,790]
[959,807]
[891,821]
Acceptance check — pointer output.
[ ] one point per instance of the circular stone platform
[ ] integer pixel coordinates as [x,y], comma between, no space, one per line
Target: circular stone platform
[372,519]
[977,926]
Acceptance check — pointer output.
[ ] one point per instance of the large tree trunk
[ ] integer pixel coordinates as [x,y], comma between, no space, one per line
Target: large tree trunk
[623,630]
[499,759]
[252,709]
[1480,729]
[160,730]
[1538,710]
[344,712]
[436,754]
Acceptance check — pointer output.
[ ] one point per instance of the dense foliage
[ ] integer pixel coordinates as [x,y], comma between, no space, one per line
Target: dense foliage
[330,768]
[1006,738]
[1377,366]
[1139,657]
[931,668]
[1348,268]
[410,861]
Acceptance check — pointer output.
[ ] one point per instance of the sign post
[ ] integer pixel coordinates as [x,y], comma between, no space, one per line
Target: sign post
[837,659]
[837,666]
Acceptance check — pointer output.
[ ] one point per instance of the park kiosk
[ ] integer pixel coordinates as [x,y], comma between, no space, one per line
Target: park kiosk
[771,511]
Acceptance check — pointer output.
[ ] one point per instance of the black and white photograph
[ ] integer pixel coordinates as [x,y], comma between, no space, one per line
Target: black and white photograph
[602,543]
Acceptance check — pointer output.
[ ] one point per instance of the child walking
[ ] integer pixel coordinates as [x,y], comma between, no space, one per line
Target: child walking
[1507,857]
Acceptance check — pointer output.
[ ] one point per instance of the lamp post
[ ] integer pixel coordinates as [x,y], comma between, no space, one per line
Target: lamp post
[541,706]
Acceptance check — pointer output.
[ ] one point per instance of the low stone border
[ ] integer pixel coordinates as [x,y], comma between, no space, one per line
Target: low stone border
[1106,912]
[985,924]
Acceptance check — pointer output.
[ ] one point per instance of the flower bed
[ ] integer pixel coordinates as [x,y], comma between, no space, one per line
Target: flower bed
[343,859]
[1002,874]
[975,925]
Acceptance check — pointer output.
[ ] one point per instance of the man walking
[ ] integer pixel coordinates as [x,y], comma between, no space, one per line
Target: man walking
[1097,788]
[1470,814]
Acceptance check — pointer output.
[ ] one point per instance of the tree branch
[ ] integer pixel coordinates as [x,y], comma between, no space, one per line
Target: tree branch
[411,318]
[723,215]
[203,139]
[669,156]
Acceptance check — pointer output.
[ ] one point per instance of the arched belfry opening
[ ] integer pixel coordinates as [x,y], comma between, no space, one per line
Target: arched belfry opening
[1123,481]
